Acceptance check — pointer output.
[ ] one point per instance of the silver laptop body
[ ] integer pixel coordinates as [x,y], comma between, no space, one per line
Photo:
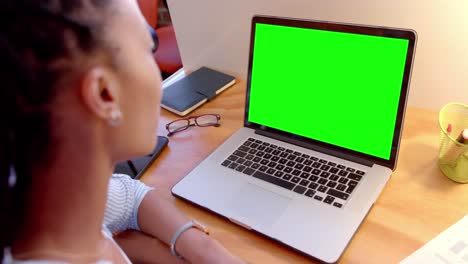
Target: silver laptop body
[327,101]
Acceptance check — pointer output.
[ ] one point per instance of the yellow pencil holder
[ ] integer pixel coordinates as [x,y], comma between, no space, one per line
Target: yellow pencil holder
[453,155]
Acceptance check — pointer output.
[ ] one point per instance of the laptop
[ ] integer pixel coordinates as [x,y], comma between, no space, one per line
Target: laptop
[324,111]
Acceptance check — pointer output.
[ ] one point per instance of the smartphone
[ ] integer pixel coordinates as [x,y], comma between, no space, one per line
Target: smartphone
[136,167]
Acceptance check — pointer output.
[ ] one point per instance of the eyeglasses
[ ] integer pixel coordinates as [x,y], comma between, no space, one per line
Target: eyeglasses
[201,121]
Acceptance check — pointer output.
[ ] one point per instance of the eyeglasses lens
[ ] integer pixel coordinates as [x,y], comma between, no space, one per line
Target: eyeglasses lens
[207,120]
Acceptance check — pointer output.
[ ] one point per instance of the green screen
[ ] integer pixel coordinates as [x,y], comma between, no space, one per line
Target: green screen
[334,87]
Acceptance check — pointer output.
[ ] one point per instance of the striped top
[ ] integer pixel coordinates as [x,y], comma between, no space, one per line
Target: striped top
[123,200]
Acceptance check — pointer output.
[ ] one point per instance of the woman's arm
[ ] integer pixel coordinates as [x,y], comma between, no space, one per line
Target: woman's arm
[159,218]
[142,248]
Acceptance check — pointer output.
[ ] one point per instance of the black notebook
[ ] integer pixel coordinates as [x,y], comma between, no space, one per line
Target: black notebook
[190,92]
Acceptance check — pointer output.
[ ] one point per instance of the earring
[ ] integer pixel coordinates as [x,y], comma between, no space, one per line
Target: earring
[115,118]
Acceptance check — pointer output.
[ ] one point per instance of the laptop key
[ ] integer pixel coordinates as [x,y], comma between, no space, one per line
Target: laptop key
[248,171]
[291,163]
[313,186]
[325,167]
[318,197]
[316,165]
[343,173]
[275,158]
[350,169]
[305,175]
[341,187]
[263,168]
[354,176]
[332,164]
[279,167]
[343,180]
[240,153]
[226,163]
[289,150]
[297,153]
[254,145]
[314,158]
[305,156]
[279,174]
[247,143]
[250,139]
[324,174]
[322,181]
[270,171]
[329,199]
[232,158]
[287,177]
[313,178]
[296,179]
[281,148]
[260,154]
[240,161]
[334,177]
[248,163]
[307,169]
[333,170]
[360,172]
[331,184]
[341,167]
[284,154]
[296,172]
[310,193]
[276,152]
[268,150]
[253,151]
[287,170]
[299,166]
[338,194]
[300,189]
[304,183]
[336,204]
[244,148]
[258,141]
[272,164]
[267,156]
[292,157]
[307,162]
[283,161]
[273,180]
[322,188]
[316,172]
[264,161]
[323,161]
[232,165]
[240,168]
[255,166]
[249,157]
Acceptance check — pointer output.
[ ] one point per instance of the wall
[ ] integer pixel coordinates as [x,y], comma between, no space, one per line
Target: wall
[216,33]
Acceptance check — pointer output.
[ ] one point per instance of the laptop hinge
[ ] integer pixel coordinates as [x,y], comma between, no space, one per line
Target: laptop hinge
[315,147]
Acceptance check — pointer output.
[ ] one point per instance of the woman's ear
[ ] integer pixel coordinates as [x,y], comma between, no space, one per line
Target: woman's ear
[100,93]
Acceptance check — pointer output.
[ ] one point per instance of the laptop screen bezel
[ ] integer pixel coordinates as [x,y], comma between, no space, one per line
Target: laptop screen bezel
[348,28]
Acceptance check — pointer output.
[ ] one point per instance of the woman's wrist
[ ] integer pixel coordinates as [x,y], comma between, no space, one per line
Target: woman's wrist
[195,246]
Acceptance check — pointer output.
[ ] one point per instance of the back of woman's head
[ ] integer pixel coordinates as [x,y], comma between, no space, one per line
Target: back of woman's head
[42,44]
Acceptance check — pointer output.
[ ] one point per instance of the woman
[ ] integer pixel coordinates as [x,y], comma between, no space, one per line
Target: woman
[78,86]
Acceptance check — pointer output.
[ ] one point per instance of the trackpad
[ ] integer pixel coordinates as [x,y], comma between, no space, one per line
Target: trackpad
[257,206]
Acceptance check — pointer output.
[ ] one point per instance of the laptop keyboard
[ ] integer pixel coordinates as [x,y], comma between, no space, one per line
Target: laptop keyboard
[319,179]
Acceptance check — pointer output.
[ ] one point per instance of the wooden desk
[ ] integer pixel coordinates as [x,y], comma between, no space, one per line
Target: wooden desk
[418,202]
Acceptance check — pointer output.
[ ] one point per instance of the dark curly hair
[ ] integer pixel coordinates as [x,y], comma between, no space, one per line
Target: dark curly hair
[41,42]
